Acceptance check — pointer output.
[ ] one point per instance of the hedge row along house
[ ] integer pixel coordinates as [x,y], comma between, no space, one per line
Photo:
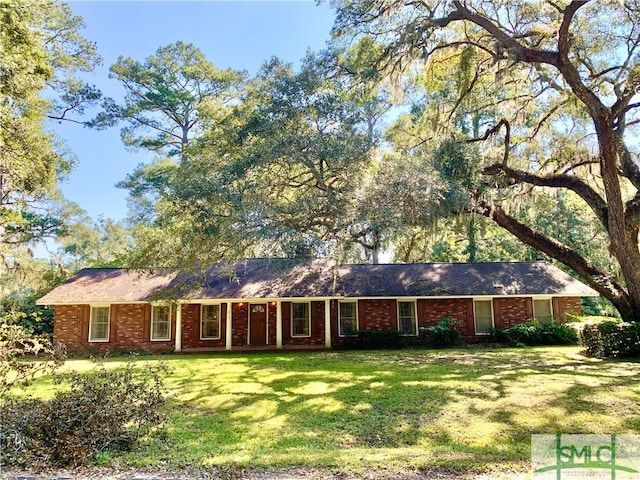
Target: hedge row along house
[293,304]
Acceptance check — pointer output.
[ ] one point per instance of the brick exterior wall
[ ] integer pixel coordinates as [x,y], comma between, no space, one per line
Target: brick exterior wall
[71,326]
[564,305]
[508,312]
[377,314]
[239,324]
[317,326]
[191,327]
[128,321]
[431,311]
[271,323]
[130,324]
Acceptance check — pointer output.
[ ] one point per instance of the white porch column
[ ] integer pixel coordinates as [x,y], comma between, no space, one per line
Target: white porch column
[327,323]
[279,324]
[228,332]
[179,328]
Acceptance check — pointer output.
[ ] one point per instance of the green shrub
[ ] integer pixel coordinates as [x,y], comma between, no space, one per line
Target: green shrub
[375,339]
[103,411]
[535,332]
[443,334]
[612,339]
[499,335]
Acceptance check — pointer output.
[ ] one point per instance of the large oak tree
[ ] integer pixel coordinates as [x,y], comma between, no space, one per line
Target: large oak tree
[559,81]
[278,178]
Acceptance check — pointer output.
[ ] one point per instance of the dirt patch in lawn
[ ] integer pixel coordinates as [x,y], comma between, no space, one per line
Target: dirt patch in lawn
[236,473]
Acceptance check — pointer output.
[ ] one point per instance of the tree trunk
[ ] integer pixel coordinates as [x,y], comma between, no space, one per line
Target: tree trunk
[624,244]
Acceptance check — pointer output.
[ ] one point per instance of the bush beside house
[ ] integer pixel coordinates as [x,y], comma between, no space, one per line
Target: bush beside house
[612,339]
[445,333]
[535,332]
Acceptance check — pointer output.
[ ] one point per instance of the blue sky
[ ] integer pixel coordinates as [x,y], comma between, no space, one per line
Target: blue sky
[233,34]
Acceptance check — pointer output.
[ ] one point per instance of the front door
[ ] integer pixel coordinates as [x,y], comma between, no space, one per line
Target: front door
[258,325]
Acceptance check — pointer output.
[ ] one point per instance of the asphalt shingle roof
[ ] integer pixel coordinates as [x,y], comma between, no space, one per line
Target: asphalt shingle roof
[285,278]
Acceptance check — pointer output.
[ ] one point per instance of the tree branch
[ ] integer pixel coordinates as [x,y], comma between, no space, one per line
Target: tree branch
[522,53]
[630,169]
[597,279]
[570,182]
[564,38]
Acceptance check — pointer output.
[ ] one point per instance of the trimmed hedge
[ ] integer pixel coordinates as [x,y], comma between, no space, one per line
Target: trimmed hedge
[612,339]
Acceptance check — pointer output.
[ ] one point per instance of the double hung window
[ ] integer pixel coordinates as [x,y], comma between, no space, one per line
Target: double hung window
[543,310]
[99,324]
[160,322]
[348,319]
[300,320]
[407,323]
[210,322]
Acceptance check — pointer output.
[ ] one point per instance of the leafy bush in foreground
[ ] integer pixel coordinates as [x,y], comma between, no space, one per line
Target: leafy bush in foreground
[612,339]
[102,411]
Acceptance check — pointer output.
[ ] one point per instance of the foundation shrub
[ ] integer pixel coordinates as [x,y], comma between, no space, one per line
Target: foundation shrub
[445,333]
[385,339]
[535,332]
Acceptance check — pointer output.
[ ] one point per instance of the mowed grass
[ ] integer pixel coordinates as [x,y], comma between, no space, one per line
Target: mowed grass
[466,409]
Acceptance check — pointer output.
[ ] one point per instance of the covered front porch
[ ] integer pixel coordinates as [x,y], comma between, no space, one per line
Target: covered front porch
[253,324]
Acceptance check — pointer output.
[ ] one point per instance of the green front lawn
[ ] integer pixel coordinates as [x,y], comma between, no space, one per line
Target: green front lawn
[470,408]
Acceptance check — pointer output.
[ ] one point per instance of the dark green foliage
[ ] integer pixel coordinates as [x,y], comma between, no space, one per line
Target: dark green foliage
[612,339]
[499,335]
[535,332]
[388,339]
[443,334]
[24,312]
[598,306]
[104,411]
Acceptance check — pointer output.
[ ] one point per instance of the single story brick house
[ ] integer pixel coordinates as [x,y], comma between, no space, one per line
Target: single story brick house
[294,304]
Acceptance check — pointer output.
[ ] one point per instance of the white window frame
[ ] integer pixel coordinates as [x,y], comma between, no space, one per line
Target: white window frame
[154,309]
[202,310]
[493,319]
[308,304]
[414,309]
[544,299]
[340,334]
[91,320]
